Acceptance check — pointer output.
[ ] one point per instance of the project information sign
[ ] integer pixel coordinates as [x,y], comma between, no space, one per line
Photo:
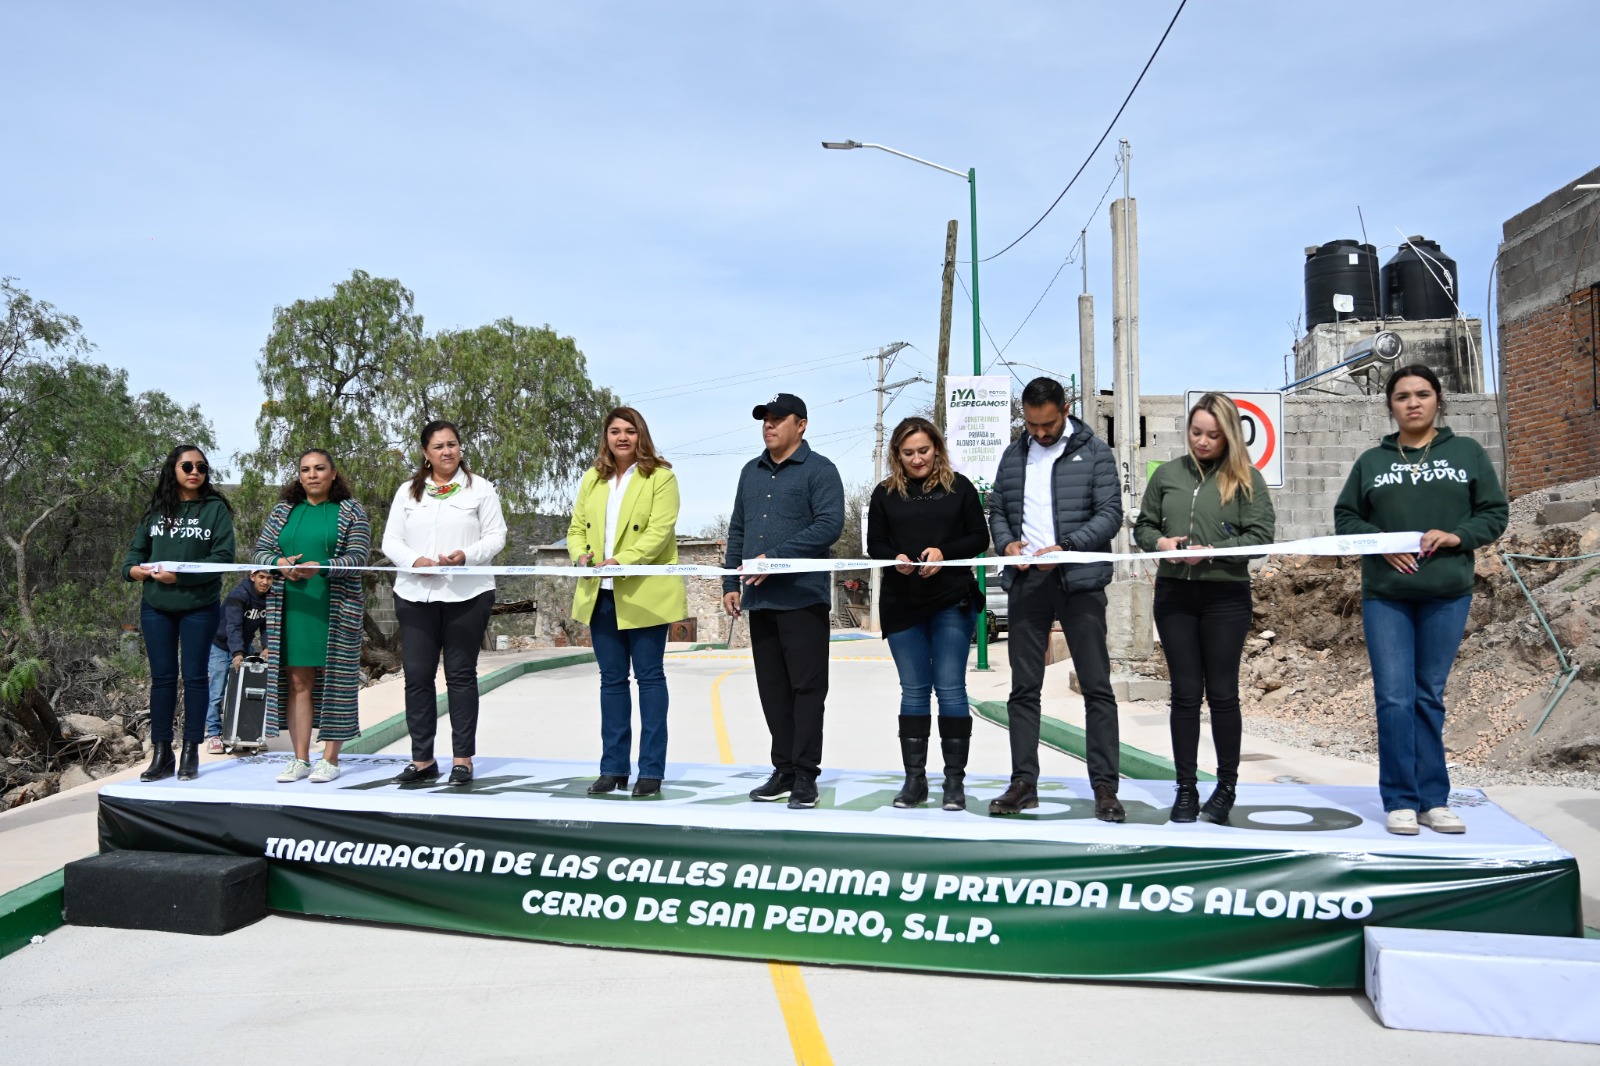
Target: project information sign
[977,426]
[1281,896]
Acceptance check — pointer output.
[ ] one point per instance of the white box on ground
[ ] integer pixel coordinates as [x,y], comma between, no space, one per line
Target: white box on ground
[1491,984]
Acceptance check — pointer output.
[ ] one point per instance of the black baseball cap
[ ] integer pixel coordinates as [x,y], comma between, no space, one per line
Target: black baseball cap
[785,403]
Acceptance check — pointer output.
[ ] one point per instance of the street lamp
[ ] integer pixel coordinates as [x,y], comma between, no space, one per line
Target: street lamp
[971,177]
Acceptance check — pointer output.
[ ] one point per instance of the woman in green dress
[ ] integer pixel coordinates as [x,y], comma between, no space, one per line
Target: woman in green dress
[314,616]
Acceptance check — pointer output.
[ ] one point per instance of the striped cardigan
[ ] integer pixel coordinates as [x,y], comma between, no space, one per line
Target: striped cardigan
[334,707]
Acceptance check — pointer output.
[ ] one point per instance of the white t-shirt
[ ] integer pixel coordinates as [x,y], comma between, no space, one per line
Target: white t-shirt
[1038,493]
[618,489]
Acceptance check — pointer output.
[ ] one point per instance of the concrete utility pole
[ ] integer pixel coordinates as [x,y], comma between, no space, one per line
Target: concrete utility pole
[944,323]
[880,470]
[1129,631]
[1125,344]
[1088,390]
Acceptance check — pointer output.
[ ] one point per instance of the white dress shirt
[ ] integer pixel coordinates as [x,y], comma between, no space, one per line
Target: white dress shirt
[1038,493]
[618,488]
[468,520]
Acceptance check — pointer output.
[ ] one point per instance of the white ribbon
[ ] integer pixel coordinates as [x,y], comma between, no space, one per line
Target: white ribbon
[1360,544]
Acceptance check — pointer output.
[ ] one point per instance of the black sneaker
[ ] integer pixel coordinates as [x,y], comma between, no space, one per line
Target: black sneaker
[804,794]
[777,787]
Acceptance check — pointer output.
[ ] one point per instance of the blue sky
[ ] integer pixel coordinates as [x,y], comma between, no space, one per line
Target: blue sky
[648,179]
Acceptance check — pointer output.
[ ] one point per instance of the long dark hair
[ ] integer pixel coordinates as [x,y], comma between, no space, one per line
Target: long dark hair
[1415,370]
[419,480]
[167,497]
[294,492]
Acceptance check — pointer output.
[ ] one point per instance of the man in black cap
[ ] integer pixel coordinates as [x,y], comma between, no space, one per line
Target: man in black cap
[789,505]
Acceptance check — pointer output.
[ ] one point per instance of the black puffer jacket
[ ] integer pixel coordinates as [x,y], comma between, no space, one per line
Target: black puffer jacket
[1088,499]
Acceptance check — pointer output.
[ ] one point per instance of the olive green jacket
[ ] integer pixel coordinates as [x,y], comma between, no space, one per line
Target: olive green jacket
[1183,500]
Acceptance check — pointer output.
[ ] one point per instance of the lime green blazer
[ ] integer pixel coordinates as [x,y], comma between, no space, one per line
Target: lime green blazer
[646,533]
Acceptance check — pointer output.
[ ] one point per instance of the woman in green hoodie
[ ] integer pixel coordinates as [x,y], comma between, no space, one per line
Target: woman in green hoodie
[187,520]
[1414,606]
[1210,498]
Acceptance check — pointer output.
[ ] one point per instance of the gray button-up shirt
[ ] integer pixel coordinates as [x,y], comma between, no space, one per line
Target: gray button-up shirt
[789,510]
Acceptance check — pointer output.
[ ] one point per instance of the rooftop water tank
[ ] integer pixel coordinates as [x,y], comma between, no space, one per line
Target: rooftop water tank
[1341,268]
[1419,282]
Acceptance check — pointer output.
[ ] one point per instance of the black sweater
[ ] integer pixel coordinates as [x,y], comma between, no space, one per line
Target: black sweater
[926,517]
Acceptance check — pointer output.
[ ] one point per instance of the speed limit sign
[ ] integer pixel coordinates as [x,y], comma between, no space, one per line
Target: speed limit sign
[1261,416]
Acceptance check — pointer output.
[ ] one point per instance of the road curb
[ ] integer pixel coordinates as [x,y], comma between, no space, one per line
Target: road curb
[1072,740]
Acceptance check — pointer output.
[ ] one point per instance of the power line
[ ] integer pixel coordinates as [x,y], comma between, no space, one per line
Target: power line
[829,360]
[1093,151]
[1072,256]
[998,354]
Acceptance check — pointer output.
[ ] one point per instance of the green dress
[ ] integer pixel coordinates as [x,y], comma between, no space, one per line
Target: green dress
[311,532]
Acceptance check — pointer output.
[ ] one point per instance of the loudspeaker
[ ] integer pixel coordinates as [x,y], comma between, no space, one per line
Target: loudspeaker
[173,893]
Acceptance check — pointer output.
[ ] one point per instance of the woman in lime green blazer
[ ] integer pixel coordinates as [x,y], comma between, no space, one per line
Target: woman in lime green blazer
[627,513]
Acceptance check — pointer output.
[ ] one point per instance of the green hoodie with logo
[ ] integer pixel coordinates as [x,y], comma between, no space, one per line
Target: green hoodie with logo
[202,532]
[1447,485]
[1183,499]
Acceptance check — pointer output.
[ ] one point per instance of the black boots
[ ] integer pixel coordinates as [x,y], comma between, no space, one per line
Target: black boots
[1219,804]
[188,760]
[160,762]
[914,754]
[1186,807]
[955,739]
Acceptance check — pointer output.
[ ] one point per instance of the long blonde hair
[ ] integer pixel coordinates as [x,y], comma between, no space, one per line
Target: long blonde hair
[1233,471]
[942,474]
[606,465]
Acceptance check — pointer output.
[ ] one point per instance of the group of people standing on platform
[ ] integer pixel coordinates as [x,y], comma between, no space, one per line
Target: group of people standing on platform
[1057,488]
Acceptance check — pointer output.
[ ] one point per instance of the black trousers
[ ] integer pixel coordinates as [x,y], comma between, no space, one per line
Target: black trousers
[1203,625]
[790,649]
[1036,601]
[456,631]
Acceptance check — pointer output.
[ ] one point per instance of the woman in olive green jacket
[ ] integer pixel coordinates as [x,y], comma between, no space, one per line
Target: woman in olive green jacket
[1212,497]
[626,513]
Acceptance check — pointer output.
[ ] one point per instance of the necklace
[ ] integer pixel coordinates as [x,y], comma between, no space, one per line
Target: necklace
[1415,467]
[442,492]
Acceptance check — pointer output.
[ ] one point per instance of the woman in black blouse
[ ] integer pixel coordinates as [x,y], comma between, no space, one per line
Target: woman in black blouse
[924,513]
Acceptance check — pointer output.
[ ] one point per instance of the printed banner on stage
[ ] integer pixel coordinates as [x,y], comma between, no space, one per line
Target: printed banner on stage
[1280,898]
[977,426]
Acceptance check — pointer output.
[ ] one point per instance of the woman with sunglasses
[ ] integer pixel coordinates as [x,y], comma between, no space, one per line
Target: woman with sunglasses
[187,520]
[315,534]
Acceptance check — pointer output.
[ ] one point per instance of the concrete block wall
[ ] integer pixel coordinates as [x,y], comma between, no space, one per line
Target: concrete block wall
[1548,271]
[1322,439]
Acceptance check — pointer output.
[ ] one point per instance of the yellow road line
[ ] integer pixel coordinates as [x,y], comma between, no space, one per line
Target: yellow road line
[724,746]
[799,1017]
[805,1035]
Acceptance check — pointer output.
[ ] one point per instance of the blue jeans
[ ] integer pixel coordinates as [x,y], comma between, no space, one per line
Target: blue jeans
[167,634]
[1412,644]
[614,650]
[931,657]
[221,662]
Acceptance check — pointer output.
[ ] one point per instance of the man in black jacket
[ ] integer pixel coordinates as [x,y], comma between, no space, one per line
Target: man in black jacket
[1057,489]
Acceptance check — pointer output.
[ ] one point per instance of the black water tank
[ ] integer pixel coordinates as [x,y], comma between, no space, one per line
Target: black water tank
[1419,282]
[1347,267]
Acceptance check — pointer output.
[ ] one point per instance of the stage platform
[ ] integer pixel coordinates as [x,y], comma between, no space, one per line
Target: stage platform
[1280,897]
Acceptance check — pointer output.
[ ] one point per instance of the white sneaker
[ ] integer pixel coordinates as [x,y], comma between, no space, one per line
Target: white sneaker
[325,772]
[1404,823]
[1442,820]
[297,769]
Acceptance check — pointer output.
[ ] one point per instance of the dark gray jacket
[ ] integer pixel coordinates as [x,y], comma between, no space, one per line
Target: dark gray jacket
[1088,503]
[794,510]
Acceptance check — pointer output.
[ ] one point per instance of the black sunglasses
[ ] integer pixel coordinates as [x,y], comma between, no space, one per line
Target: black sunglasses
[191,468]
